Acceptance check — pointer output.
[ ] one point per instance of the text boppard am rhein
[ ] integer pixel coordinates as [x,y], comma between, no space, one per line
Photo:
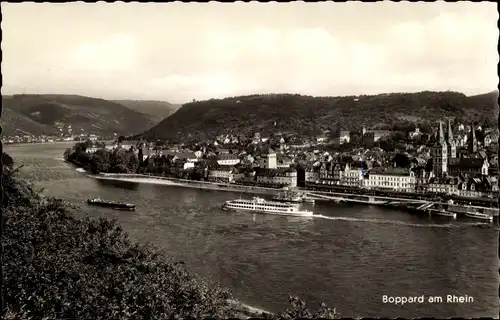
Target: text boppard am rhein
[449,298]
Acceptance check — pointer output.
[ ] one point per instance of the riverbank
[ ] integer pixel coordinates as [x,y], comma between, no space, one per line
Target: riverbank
[142,178]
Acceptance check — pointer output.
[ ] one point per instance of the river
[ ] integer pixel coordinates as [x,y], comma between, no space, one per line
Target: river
[349,258]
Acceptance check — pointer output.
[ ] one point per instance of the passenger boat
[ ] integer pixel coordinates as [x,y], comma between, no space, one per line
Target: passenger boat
[111,204]
[442,212]
[482,213]
[262,206]
[479,215]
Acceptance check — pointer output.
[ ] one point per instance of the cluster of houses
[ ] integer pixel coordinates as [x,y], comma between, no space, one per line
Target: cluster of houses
[450,166]
[270,169]
[466,172]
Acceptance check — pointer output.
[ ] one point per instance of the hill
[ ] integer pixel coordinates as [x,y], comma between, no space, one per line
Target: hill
[306,115]
[45,113]
[156,109]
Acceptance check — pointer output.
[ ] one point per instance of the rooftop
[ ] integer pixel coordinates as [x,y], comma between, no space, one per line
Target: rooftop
[390,171]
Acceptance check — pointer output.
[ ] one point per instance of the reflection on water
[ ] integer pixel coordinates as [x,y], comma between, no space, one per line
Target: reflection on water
[119,184]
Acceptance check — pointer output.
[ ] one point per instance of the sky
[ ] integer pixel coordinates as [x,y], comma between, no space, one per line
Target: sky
[178,52]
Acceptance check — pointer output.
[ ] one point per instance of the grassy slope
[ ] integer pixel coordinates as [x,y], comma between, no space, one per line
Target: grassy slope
[310,115]
[31,113]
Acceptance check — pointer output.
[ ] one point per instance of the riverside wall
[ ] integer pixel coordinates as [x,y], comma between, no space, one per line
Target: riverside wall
[222,186]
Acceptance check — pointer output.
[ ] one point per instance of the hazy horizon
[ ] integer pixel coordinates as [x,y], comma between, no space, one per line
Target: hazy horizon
[178,52]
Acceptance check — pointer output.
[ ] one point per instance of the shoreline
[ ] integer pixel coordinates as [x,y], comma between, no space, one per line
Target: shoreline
[220,186]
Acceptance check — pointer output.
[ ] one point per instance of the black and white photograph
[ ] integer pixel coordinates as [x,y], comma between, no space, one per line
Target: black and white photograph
[249,160]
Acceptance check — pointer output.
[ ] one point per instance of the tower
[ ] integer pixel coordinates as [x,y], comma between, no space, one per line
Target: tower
[268,159]
[452,146]
[439,153]
[473,140]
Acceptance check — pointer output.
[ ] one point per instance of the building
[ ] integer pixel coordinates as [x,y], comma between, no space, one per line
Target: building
[331,172]
[478,187]
[394,179]
[312,173]
[345,137]
[442,185]
[187,156]
[179,167]
[415,134]
[468,167]
[227,159]
[442,151]
[283,161]
[351,176]
[268,159]
[224,173]
[491,137]
[277,177]
[92,149]
[128,144]
[377,134]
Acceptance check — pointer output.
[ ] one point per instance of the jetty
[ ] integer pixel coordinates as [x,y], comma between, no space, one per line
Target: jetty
[420,206]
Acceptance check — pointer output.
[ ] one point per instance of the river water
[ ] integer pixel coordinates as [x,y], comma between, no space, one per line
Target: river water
[349,257]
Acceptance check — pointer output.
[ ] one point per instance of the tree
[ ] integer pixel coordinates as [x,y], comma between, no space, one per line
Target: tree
[7,161]
[398,136]
[100,161]
[120,161]
[386,144]
[356,140]
[401,160]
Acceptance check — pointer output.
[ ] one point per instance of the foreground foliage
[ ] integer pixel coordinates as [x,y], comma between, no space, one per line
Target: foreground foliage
[57,265]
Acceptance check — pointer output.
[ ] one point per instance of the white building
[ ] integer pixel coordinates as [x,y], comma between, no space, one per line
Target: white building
[391,179]
[282,177]
[345,137]
[351,176]
[224,173]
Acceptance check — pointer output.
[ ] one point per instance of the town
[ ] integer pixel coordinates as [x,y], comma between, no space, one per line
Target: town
[459,161]
[66,133]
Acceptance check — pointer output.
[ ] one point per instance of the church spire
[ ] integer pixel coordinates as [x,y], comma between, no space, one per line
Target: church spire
[473,140]
[450,132]
[441,132]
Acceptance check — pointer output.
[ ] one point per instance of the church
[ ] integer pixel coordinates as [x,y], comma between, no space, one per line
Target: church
[445,162]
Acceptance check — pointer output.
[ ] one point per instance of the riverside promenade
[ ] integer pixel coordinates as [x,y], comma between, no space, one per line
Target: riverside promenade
[222,186]
[396,202]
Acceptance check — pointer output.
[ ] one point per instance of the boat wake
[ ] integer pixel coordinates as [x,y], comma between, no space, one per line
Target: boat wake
[395,222]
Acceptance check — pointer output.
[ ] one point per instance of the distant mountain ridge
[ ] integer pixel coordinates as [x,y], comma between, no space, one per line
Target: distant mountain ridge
[44,113]
[308,115]
[153,108]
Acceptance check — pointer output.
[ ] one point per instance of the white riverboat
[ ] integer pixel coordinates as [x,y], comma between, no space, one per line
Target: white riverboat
[263,206]
[479,215]
[442,212]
